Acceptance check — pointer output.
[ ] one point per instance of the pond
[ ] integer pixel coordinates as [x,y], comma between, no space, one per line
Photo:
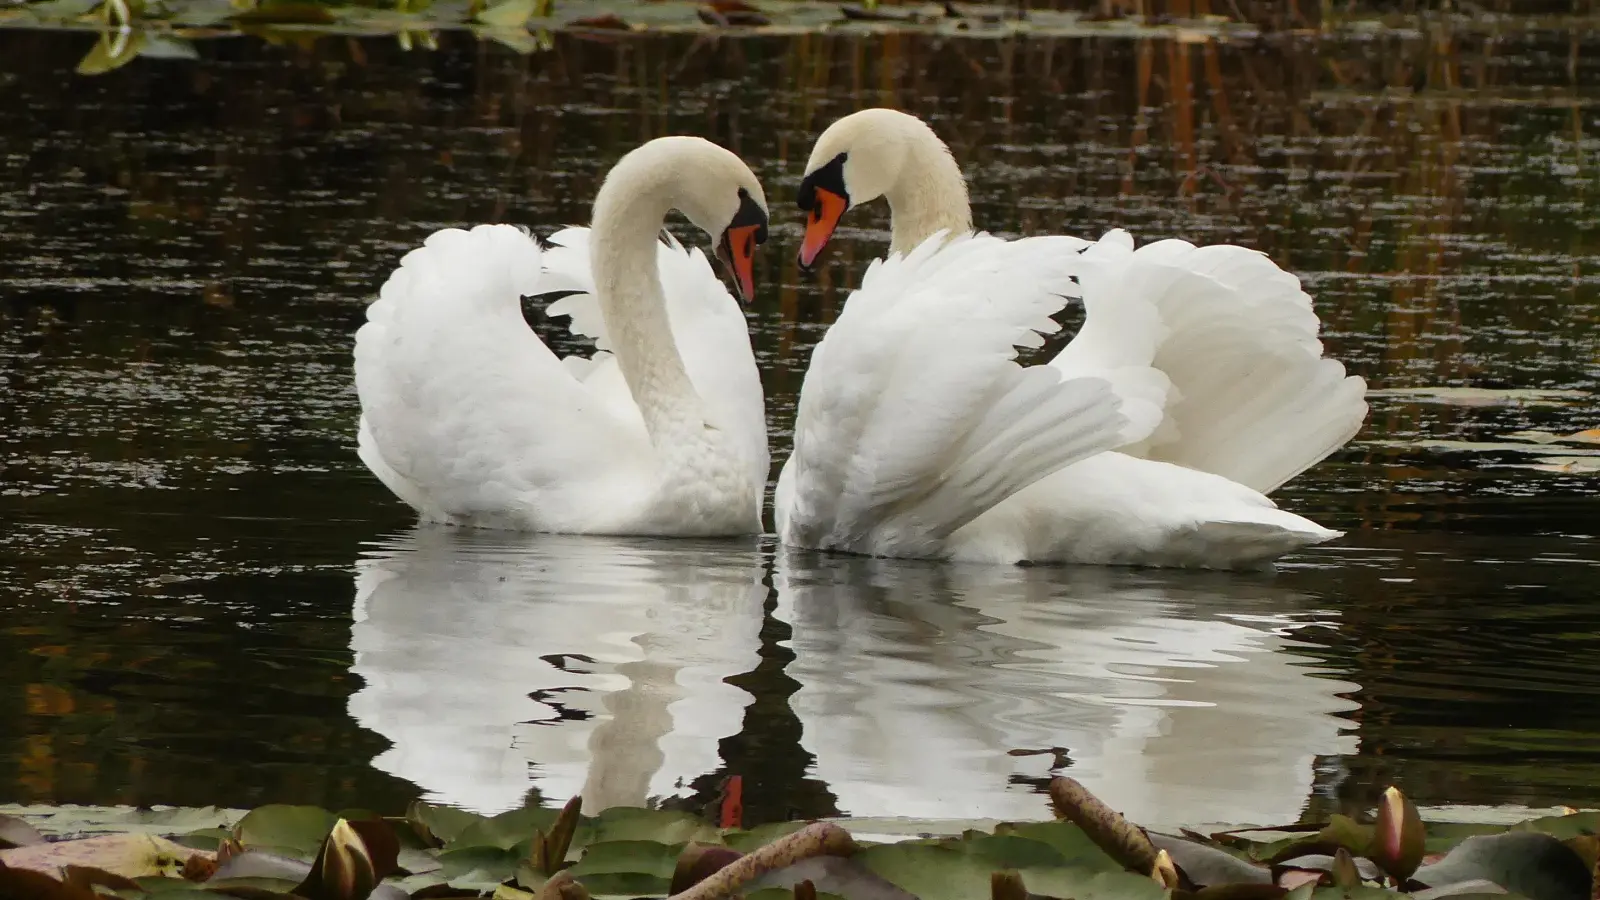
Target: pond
[208,600]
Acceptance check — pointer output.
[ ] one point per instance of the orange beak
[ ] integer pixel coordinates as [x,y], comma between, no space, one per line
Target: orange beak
[738,252]
[825,215]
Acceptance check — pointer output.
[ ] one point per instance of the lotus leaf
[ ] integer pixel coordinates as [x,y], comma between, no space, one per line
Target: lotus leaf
[294,830]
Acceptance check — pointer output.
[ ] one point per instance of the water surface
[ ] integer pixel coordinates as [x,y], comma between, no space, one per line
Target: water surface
[208,600]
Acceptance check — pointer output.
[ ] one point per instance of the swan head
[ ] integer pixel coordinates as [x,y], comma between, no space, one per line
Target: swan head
[858,159]
[714,190]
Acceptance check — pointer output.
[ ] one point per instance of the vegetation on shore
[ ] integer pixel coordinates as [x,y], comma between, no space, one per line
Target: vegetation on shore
[1090,852]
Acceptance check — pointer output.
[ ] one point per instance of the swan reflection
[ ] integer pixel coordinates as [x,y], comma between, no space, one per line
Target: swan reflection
[497,664]
[1177,696]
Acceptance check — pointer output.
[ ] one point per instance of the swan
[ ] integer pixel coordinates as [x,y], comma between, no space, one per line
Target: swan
[1244,398]
[469,418]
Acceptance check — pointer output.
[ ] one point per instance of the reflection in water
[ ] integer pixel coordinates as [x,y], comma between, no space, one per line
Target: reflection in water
[497,664]
[1178,698]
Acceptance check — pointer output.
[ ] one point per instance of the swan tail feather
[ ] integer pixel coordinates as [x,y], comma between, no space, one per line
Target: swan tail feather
[1253,398]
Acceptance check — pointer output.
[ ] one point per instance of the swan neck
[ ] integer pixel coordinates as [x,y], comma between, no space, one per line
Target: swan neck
[929,196]
[627,220]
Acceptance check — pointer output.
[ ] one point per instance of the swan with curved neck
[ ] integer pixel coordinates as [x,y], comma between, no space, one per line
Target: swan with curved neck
[882,153]
[471,419]
[716,191]
[1196,385]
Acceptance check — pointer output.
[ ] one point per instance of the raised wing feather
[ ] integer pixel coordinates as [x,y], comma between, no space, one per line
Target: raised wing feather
[466,414]
[1253,399]
[915,417]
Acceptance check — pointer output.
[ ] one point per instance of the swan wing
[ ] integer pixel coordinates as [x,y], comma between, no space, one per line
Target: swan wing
[708,326]
[1254,399]
[467,415]
[915,417]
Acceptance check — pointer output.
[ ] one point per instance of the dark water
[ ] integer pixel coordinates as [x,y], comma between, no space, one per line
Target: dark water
[207,599]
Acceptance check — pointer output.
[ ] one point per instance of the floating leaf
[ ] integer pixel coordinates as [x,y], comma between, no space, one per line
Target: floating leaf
[113,50]
[745,841]
[15,832]
[505,830]
[1529,863]
[611,857]
[298,830]
[928,872]
[478,868]
[1072,842]
[507,14]
[1204,865]
[127,855]
[1081,885]
[440,823]
[286,12]
[260,864]
[622,823]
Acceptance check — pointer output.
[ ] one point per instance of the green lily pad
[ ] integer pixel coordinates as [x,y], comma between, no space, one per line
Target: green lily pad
[611,857]
[1074,845]
[444,823]
[1530,863]
[504,831]
[745,841]
[15,832]
[478,868]
[113,50]
[508,14]
[930,872]
[624,884]
[297,829]
[621,823]
[1081,885]
[1008,851]
[1206,865]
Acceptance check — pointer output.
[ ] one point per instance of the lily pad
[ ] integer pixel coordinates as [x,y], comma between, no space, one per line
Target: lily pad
[1529,863]
[621,823]
[930,872]
[443,823]
[505,830]
[297,829]
[508,13]
[128,855]
[637,857]
[15,832]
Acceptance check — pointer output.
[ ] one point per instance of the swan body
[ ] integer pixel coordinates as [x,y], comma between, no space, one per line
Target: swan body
[1211,353]
[472,420]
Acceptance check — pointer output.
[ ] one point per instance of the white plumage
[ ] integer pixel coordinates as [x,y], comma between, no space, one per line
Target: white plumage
[472,420]
[1206,359]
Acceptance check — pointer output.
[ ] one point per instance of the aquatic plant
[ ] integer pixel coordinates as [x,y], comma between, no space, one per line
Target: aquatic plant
[1089,852]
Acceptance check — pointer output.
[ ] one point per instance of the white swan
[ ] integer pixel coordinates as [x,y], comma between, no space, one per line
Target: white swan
[1245,401]
[468,417]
